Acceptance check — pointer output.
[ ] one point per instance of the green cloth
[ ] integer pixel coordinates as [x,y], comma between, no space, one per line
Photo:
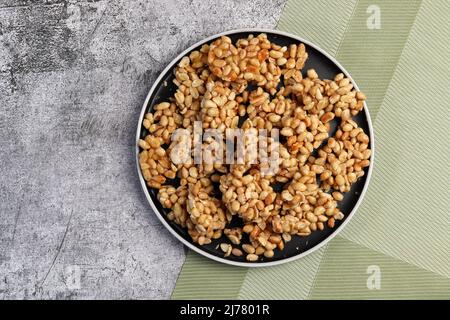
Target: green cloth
[398,243]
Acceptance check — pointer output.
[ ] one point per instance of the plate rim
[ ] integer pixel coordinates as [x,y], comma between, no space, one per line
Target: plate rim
[188,243]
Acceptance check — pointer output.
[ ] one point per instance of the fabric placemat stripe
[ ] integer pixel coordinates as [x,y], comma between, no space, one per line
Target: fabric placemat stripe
[405,213]
[203,278]
[351,271]
[290,281]
[322,22]
[371,54]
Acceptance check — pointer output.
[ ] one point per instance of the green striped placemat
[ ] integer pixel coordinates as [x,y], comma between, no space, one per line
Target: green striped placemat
[397,245]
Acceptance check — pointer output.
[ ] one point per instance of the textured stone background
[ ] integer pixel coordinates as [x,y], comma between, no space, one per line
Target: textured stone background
[73,76]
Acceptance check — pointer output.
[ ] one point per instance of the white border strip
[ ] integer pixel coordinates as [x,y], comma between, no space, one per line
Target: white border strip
[189,244]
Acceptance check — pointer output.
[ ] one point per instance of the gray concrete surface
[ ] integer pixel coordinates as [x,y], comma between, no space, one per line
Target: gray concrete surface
[74,223]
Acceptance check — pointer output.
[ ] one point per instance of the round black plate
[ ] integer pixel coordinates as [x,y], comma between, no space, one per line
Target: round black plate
[326,68]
